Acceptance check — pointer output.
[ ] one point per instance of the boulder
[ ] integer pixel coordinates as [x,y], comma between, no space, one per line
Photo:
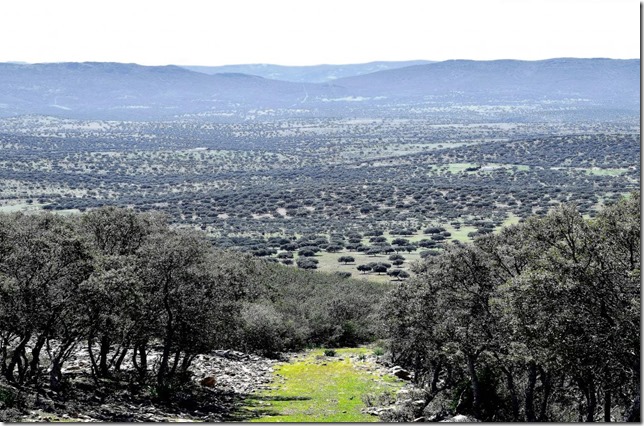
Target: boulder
[401,373]
[460,418]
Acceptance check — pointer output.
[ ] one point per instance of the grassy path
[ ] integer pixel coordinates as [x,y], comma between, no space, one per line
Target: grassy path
[319,388]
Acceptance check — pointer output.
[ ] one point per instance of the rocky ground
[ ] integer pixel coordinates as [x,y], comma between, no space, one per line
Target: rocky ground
[221,380]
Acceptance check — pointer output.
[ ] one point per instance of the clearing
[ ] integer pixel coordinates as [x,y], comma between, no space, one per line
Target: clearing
[317,388]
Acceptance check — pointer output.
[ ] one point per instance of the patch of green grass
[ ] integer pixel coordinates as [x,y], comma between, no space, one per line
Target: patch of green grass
[315,388]
[512,219]
[459,167]
[32,208]
[328,262]
[461,233]
[605,172]
[20,207]
[412,238]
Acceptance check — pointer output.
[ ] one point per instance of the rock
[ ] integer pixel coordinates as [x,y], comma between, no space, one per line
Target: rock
[208,382]
[436,417]
[377,411]
[460,418]
[401,373]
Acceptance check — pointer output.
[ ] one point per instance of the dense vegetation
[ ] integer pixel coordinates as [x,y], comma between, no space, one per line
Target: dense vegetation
[537,323]
[127,287]
[244,183]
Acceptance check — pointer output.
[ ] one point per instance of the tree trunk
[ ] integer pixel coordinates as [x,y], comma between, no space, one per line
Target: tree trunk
[448,379]
[105,350]
[547,388]
[513,395]
[607,404]
[15,357]
[92,358]
[476,389]
[529,392]
[177,356]
[121,357]
[435,375]
[55,375]
[35,357]
[592,400]
[142,364]
[169,336]
[185,363]
[143,361]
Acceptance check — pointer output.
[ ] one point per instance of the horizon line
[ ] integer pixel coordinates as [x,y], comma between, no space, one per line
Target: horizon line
[429,61]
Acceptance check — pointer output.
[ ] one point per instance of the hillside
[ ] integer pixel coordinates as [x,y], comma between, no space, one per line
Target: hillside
[115,90]
[598,81]
[130,91]
[306,74]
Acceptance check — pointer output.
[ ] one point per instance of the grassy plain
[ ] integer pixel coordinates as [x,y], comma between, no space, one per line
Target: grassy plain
[319,388]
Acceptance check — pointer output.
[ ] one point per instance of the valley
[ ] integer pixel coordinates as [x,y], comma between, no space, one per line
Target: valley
[271,188]
[423,241]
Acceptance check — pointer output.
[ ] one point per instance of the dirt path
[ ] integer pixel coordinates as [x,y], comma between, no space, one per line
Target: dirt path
[313,387]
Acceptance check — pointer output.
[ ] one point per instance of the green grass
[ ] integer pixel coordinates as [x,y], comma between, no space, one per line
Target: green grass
[20,207]
[412,238]
[597,171]
[512,219]
[31,208]
[459,167]
[316,388]
[461,233]
[328,262]
[605,172]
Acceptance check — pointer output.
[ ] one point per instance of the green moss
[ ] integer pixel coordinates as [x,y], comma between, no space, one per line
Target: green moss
[316,388]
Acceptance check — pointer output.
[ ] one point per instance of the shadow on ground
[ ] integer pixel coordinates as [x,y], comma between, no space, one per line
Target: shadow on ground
[255,406]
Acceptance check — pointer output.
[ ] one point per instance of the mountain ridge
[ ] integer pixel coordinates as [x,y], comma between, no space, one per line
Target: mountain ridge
[322,73]
[131,91]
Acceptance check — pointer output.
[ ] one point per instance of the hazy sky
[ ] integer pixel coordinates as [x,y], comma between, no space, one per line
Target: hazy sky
[306,32]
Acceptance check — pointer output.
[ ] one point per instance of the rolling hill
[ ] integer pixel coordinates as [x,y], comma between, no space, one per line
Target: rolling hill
[130,91]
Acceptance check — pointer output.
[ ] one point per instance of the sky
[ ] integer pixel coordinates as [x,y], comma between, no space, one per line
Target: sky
[310,32]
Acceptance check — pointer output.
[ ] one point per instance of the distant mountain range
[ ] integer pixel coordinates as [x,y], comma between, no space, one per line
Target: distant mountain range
[130,91]
[306,74]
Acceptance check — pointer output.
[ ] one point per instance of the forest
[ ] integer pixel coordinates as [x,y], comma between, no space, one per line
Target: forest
[538,322]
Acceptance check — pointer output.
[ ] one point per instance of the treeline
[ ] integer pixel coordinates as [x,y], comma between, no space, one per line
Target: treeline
[126,287]
[540,322]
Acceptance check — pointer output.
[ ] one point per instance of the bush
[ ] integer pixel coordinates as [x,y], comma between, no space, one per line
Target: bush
[265,331]
[307,263]
[329,352]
